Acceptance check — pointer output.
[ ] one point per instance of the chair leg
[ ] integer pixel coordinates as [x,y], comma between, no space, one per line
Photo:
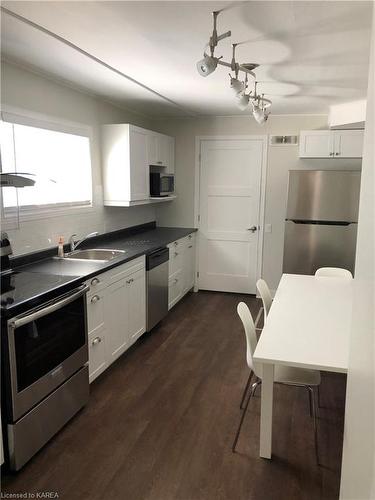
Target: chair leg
[254,387]
[246,389]
[309,390]
[313,407]
[257,319]
[240,425]
[319,403]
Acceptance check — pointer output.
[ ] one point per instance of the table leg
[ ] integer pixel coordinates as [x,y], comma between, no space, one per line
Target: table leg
[266,411]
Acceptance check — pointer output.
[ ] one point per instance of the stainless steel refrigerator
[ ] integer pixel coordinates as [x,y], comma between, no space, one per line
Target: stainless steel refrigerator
[321,220]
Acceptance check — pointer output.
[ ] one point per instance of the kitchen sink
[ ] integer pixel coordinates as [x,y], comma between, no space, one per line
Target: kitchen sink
[95,255]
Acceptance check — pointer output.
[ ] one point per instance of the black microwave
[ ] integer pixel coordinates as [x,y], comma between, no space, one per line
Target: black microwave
[161,184]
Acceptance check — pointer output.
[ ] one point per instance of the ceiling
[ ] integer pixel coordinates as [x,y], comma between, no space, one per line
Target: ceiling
[312,54]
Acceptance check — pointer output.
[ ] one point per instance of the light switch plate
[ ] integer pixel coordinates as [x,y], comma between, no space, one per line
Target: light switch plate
[268,228]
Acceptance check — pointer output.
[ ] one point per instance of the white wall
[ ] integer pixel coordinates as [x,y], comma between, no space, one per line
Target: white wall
[33,93]
[358,467]
[280,160]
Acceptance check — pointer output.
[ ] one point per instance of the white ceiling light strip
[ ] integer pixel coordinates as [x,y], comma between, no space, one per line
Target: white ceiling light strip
[94,58]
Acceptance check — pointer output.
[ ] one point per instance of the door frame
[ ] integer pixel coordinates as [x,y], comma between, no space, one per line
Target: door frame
[262,195]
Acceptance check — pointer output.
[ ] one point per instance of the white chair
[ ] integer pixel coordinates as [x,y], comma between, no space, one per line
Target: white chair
[334,272]
[266,297]
[299,377]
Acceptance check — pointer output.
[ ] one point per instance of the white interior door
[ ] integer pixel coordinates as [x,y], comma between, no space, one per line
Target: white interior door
[230,190]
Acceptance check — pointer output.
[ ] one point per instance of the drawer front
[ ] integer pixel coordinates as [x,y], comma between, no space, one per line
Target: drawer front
[97,283]
[104,279]
[95,310]
[124,270]
[97,353]
[175,288]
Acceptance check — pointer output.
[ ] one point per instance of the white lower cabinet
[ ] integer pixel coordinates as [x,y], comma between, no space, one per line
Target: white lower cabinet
[97,353]
[189,263]
[116,313]
[136,293]
[116,303]
[181,268]
[175,287]
[116,318]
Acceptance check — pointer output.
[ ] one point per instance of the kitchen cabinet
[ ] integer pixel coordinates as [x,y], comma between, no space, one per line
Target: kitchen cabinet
[127,153]
[189,263]
[125,164]
[136,302]
[161,151]
[175,288]
[97,353]
[348,143]
[331,144]
[181,268]
[116,313]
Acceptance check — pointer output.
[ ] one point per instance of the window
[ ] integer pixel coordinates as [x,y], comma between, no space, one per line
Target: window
[60,162]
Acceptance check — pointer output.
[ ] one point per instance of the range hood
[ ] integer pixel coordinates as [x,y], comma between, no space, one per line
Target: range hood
[15,179]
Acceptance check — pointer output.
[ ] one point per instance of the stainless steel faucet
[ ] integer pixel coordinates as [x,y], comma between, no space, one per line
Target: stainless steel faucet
[74,245]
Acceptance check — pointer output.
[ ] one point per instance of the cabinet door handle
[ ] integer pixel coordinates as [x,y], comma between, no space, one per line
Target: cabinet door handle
[176,280]
[130,281]
[252,229]
[96,341]
[94,299]
[331,154]
[190,246]
[337,154]
[190,236]
[95,281]
[175,243]
[176,254]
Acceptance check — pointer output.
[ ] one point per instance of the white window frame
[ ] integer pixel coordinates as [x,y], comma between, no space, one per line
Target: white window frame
[38,212]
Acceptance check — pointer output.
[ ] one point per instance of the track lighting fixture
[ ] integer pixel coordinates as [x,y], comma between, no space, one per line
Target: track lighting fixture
[236,85]
[209,63]
[242,101]
[258,113]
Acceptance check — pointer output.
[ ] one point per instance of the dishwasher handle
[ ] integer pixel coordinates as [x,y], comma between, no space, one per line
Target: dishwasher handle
[157,257]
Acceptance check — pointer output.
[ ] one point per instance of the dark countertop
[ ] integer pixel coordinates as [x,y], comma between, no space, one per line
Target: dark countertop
[75,272]
[134,245]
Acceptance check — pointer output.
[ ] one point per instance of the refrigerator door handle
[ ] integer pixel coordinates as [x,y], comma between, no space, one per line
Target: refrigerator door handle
[322,222]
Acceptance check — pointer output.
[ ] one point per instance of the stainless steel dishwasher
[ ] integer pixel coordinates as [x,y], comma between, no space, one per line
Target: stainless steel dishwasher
[157,286]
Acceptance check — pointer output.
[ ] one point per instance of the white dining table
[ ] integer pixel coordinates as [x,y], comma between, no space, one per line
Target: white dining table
[308,326]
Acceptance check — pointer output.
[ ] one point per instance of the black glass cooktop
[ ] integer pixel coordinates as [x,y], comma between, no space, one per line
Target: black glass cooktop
[18,287]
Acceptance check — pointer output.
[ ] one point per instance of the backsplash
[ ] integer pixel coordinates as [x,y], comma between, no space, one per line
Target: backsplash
[41,234]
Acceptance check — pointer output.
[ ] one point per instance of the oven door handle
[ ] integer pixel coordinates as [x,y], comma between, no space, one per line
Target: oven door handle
[17,322]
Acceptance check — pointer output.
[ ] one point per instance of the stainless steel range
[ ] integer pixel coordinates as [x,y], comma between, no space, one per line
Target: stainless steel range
[44,359]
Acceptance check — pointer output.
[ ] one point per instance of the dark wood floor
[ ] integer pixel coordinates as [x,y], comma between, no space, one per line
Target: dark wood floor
[160,423]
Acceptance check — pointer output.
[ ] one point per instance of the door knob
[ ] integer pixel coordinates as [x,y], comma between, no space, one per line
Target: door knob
[252,229]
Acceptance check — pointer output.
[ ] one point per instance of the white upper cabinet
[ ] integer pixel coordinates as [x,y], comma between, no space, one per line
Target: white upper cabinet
[348,143]
[161,151]
[128,151]
[316,144]
[125,164]
[331,144]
